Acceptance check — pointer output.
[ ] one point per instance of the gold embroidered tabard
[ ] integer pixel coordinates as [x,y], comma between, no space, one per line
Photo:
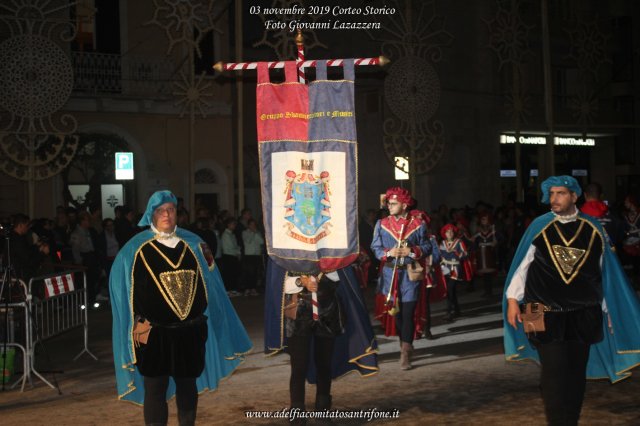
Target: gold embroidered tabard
[180,287]
[569,260]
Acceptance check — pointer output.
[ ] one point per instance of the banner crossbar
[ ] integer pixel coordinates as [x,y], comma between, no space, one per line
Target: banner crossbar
[241,66]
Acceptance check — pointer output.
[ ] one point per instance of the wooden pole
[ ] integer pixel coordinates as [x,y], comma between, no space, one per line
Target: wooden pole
[240,108]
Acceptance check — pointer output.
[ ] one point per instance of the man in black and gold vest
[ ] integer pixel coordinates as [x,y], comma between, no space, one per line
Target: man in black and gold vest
[174,329]
[564,265]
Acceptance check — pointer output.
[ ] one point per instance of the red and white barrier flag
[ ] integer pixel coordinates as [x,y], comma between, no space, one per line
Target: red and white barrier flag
[58,285]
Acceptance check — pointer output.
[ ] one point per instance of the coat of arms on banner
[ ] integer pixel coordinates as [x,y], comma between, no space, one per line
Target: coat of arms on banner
[307,203]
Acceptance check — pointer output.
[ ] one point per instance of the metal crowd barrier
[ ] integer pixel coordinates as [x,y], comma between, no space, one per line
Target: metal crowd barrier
[10,310]
[47,316]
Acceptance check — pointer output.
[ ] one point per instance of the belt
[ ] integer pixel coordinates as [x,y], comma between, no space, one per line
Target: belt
[537,306]
[392,265]
[188,323]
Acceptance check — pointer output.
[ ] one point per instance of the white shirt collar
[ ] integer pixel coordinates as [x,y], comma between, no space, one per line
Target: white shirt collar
[168,239]
[567,218]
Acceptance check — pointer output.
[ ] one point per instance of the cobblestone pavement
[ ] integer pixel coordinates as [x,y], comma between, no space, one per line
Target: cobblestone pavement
[460,378]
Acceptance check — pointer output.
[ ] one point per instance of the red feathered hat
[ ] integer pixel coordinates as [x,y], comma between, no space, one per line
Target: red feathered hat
[443,231]
[399,194]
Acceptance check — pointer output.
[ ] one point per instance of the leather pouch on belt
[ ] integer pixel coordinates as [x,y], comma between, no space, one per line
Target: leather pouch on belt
[141,333]
[532,315]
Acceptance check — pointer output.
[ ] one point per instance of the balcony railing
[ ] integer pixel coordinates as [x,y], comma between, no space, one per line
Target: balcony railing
[130,74]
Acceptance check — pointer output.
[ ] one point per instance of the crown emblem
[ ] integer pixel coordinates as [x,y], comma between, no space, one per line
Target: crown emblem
[306,165]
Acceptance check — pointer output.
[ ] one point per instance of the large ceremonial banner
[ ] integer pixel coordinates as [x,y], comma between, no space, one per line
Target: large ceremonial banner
[308,168]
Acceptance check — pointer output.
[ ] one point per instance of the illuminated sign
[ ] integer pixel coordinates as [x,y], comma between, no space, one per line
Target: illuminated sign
[533,173]
[112,195]
[124,165]
[524,140]
[574,141]
[578,172]
[508,173]
[541,140]
[79,193]
[402,168]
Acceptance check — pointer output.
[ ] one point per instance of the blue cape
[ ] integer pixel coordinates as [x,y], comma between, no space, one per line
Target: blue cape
[617,353]
[354,350]
[227,341]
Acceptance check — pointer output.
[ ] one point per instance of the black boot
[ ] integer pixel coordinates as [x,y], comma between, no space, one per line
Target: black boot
[323,404]
[186,417]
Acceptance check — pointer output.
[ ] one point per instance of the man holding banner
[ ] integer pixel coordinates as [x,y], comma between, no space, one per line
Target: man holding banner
[400,242]
[308,168]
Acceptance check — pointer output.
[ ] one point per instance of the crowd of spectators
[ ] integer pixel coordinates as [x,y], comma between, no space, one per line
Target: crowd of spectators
[83,238]
[73,238]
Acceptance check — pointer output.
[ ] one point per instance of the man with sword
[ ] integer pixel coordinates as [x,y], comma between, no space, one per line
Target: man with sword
[400,241]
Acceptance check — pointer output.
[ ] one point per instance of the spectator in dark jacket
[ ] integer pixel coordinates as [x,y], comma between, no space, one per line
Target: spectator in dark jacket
[124,225]
[26,256]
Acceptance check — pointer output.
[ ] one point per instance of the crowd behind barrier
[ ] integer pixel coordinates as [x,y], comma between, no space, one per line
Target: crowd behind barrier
[45,307]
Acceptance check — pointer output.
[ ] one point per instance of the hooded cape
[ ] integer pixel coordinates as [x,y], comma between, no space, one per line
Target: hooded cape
[354,350]
[619,351]
[227,339]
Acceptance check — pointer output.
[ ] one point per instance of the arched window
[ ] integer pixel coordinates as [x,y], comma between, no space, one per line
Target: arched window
[206,176]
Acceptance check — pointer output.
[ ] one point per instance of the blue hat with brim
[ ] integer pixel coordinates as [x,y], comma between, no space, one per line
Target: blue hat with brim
[157,199]
[568,182]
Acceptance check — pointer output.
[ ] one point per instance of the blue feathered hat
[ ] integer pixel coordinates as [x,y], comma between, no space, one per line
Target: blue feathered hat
[568,182]
[157,199]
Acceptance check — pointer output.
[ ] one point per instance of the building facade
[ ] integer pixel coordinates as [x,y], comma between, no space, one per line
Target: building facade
[484,98]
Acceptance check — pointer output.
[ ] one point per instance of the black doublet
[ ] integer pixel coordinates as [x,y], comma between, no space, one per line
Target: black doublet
[331,318]
[565,275]
[175,346]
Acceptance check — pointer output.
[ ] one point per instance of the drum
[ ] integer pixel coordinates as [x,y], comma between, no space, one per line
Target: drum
[487,259]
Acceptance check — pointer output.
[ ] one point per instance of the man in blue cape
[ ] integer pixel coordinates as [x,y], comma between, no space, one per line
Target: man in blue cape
[591,315]
[175,331]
